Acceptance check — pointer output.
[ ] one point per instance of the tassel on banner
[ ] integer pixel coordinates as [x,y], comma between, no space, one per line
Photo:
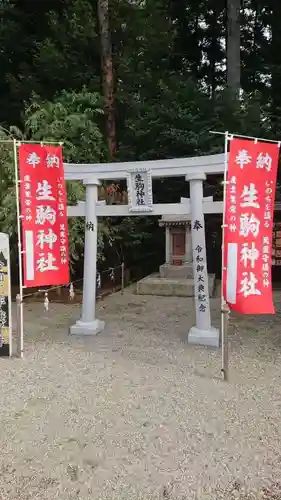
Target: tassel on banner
[112,274]
[46,302]
[71,292]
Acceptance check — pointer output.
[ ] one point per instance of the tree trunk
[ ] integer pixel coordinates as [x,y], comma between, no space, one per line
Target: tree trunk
[107,76]
[275,61]
[233,47]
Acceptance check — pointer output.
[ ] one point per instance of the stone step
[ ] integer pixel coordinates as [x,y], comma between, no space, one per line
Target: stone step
[176,272]
[155,285]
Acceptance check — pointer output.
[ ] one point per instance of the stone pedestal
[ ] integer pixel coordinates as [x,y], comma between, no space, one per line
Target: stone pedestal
[175,280]
[177,272]
[171,287]
[87,328]
[209,338]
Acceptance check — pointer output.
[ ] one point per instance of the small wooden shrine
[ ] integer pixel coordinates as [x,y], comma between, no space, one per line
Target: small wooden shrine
[177,239]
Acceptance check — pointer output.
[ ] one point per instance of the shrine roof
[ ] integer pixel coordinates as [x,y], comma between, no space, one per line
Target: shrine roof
[174,220]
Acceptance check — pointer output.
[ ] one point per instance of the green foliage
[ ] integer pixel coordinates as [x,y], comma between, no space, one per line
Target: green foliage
[176,122]
[73,119]
[7,192]
[68,56]
[45,47]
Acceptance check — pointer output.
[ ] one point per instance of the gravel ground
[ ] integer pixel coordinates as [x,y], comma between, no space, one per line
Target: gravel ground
[136,413]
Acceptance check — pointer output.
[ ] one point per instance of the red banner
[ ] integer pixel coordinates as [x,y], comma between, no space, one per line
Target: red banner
[250,194]
[43,215]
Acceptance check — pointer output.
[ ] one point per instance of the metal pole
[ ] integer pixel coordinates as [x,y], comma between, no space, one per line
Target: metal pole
[122,277]
[10,141]
[18,324]
[10,302]
[245,137]
[224,344]
[225,321]
[19,246]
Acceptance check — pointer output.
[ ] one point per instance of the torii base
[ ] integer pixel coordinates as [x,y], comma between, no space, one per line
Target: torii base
[208,338]
[87,328]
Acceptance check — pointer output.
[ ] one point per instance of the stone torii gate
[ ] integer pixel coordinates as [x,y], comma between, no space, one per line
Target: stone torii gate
[139,177]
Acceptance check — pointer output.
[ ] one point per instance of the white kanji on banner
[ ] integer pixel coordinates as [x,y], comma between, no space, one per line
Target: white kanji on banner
[248,285]
[33,159]
[44,191]
[45,213]
[249,224]
[264,161]
[249,196]
[46,263]
[52,161]
[48,238]
[249,254]
[243,158]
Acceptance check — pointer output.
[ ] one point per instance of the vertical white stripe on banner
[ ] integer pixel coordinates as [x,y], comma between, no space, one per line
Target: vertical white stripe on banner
[29,255]
[231,275]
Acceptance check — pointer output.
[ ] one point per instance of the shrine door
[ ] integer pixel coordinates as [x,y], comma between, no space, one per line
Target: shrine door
[178,247]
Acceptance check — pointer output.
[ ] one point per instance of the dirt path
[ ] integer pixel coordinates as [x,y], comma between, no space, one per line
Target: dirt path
[136,413]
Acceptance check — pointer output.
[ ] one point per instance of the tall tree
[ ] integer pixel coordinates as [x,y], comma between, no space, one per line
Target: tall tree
[233,47]
[275,67]
[107,76]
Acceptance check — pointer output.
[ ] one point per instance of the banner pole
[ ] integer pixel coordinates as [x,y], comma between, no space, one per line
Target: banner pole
[19,248]
[10,301]
[18,312]
[250,137]
[224,325]
[122,277]
[225,322]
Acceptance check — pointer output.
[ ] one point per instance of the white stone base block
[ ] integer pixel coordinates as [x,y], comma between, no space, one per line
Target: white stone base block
[209,338]
[83,328]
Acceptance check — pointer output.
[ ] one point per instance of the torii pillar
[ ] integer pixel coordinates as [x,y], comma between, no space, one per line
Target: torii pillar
[89,324]
[203,333]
